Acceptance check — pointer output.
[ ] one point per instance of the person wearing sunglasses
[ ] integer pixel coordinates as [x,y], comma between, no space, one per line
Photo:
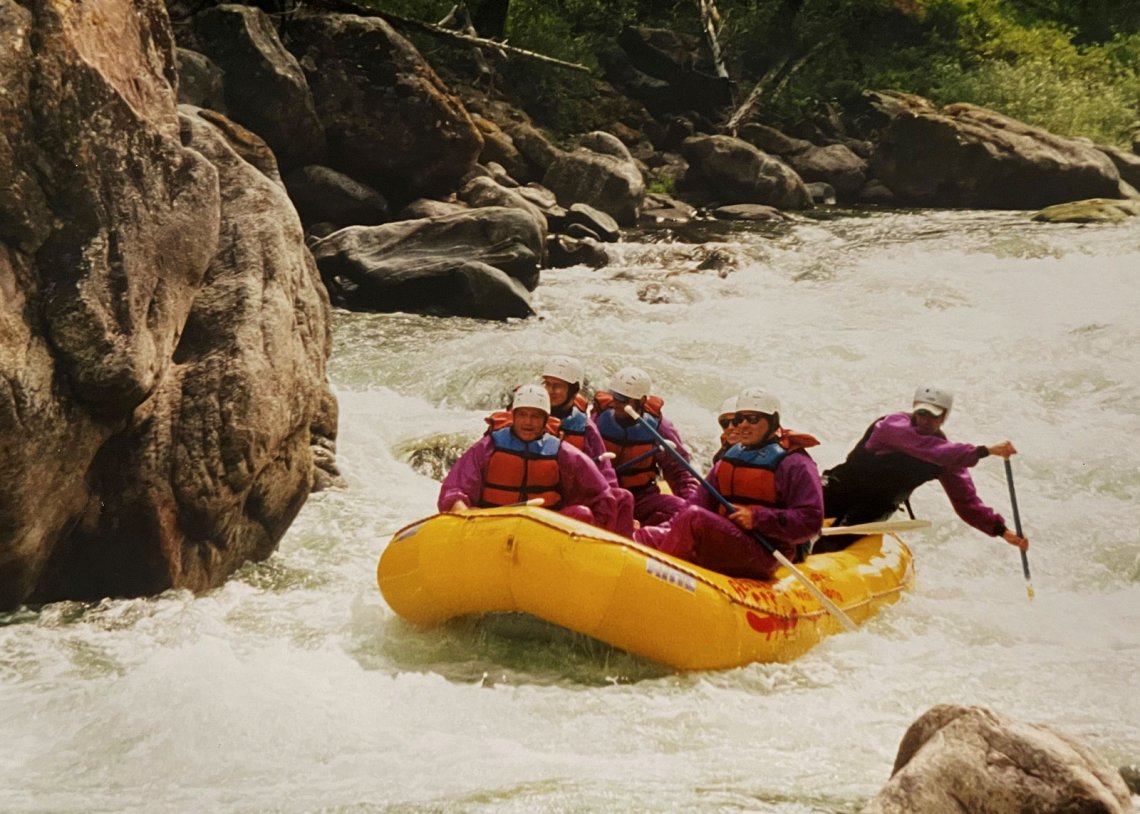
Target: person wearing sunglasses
[728,432]
[773,485]
[900,452]
[638,461]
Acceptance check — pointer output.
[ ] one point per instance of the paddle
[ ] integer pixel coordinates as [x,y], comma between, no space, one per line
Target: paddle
[831,607]
[625,465]
[534,501]
[1017,528]
[879,527]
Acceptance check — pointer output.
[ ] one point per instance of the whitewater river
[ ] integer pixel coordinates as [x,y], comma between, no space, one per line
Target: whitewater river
[295,689]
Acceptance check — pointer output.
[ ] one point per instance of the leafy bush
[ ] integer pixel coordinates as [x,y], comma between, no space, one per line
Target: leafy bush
[1070,66]
[1090,96]
[1023,60]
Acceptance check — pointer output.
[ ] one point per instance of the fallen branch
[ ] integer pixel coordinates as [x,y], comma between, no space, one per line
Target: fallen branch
[780,73]
[753,97]
[348,7]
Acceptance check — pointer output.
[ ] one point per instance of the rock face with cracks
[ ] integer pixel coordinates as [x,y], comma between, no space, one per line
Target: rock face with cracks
[957,759]
[163,330]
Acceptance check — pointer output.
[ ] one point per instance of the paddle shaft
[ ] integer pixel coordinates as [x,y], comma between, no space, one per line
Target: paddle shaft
[624,465]
[831,607]
[879,527]
[1017,526]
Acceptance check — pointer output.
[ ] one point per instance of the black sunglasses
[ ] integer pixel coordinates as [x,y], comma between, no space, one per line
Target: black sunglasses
[925,413]
[751,418]
[724,422]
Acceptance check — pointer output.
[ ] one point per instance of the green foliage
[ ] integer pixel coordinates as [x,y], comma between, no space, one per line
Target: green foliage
[993,54]
[1071,66]
[1034,60]
[1066,91]
[662,185]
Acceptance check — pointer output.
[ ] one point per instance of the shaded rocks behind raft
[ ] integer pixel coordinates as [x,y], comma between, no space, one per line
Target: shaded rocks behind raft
[479,263]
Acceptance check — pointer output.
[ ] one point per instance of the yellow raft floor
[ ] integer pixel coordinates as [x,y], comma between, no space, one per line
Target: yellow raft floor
[531,560]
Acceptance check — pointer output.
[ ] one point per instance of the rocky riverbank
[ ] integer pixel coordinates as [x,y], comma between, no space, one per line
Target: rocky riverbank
[374,145]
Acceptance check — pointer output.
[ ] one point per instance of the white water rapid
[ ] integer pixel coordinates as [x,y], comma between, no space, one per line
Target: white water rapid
[294,688]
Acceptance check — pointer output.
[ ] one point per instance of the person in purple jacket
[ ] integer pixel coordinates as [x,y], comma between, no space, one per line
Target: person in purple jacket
[638,461]
[900,452]
[773,485]
[562,377]
[522,461]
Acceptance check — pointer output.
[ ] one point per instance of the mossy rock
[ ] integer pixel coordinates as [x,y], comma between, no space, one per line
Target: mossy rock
[1091,210]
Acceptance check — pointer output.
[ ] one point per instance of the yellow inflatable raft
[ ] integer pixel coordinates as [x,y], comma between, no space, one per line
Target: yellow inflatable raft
[535,561]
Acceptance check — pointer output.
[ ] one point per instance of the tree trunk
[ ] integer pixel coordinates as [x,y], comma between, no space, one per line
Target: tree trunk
[710,22]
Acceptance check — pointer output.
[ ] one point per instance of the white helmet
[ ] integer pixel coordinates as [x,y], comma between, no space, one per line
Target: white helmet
[727,407]
[757,400]
[531,395]
[566,368]
[933,399]
[632,383]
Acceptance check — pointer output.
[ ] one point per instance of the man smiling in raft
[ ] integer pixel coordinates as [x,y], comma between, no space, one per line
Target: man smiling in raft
[521,460]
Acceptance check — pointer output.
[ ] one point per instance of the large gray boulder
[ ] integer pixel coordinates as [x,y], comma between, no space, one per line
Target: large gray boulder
[535,148]
[390,121]
[201,82]
[833,164]
[158,302]
[731,170]
[772,141]
[967,156]
[498,147]
[323,195]
[482,191]
[601,173]
[957,759]
[1127,163]
[265,88]
[477,263]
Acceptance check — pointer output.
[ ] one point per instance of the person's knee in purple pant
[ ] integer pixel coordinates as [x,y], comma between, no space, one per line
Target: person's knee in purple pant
[655,509]
[716,543]
[578,512]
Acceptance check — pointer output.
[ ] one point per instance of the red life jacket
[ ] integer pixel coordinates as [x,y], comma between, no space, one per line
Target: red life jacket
[746,476]
[518,471]
[634,447]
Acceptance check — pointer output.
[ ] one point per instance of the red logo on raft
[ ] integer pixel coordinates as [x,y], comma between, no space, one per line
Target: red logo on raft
[769,624]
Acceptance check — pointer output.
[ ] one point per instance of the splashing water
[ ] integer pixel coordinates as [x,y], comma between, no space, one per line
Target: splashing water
[294,688]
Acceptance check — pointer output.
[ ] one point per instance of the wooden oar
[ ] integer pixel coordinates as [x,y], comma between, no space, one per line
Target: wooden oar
[879,527]
[831,607]
[1017,528]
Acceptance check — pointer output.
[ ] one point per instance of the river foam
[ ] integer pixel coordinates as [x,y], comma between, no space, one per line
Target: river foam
[294,688]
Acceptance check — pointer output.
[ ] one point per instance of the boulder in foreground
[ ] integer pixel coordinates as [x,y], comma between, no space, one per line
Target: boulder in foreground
[957,759]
